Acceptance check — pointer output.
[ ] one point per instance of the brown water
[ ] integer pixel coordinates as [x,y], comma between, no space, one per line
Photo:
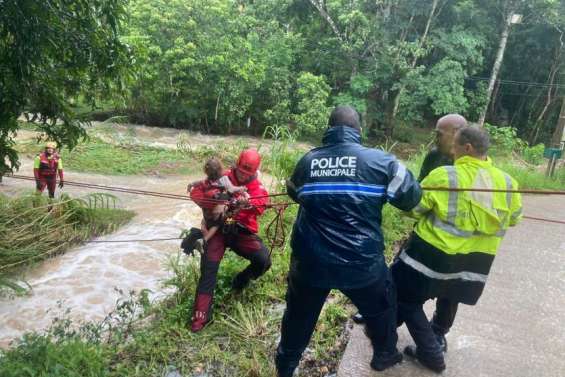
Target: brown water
[84,279]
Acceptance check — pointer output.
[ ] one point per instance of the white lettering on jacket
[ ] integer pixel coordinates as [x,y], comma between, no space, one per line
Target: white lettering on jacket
[333,166]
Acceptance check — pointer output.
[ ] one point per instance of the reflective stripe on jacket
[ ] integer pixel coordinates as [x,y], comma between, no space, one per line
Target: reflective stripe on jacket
[47,165]
[462,222]
[458,232]
[341,187]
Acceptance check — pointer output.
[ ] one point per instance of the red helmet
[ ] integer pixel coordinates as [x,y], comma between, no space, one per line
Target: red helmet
[249,161]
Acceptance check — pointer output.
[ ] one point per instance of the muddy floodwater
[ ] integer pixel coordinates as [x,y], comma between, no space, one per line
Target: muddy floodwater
[87,278]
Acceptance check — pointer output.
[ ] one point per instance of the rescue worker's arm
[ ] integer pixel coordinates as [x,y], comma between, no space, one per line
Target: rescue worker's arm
[291,190]
[36,164]
[403,190]
[436,178]
[516,206]
[259,198]
[297,180]
[193,184]
[60,172]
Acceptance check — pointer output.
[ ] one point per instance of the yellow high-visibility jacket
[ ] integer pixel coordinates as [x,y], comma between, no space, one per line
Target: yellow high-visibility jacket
[458,232]
[462,222]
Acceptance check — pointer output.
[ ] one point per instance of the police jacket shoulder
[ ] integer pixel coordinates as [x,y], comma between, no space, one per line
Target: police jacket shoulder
[342,187]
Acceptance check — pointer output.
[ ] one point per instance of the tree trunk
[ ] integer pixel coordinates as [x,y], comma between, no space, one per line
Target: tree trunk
[389,126]
[558,134]
[497,65]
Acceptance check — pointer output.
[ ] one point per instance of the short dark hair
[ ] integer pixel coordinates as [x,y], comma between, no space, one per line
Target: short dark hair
[345,116]
[476,136]
[213,169]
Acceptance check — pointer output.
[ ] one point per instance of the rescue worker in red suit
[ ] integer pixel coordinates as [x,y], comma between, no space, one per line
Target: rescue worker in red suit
[240,236]
[47,165]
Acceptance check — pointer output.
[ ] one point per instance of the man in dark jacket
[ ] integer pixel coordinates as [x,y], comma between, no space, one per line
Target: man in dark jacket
[441,155]
[337,240]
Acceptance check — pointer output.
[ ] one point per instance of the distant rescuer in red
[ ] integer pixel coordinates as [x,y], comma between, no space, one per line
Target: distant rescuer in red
[46,166]
[239,233]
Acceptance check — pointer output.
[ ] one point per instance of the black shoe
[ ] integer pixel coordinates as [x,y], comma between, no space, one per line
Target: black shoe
[240,281]
[442,342]
[188,244]
[384,360]
[358,318]
[437,364]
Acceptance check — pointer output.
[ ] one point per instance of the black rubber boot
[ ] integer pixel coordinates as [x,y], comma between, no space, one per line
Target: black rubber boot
[435,363]
[285,368]
[241,280]
[385,360]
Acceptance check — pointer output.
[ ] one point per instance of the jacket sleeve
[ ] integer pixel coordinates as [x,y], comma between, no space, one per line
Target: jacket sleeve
[429,201]
[60,169]
[297,179]
[36,164]
[516,206]
[259,198]
[403,191]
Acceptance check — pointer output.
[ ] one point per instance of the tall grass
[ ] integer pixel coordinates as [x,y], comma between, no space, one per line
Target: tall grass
[531,176]
[33,228]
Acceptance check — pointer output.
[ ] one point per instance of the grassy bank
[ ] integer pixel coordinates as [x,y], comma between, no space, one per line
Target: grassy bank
[240,341]
[33,228]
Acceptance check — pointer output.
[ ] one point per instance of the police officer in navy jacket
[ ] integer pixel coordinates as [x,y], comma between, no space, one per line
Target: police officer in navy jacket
[337,242]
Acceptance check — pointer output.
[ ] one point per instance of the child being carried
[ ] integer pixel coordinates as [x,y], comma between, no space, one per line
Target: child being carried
[212,195]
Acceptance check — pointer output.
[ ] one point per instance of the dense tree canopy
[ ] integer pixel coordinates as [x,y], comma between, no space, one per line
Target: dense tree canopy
[225,66]
[51,52]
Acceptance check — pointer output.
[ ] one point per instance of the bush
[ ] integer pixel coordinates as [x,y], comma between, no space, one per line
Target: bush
[505,139]
[312,94]
[534,155]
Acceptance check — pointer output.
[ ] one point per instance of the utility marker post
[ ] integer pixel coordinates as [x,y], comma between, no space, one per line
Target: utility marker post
[558,141]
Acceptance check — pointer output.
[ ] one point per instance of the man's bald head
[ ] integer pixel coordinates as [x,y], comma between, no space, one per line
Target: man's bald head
[345,116]
[446,127]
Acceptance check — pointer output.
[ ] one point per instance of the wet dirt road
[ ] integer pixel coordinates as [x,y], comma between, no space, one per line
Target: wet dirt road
[516,329]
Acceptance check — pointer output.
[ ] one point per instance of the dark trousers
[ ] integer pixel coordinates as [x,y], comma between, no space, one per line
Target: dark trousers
[376,302]
[244,244]
[47,181]
[411,312]
[444,315]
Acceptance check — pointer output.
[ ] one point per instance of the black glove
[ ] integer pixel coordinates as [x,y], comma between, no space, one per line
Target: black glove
[37,184]
[61,184]
[188,244]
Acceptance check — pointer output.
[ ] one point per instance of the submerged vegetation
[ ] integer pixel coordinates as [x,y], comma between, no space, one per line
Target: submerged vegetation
[33,227]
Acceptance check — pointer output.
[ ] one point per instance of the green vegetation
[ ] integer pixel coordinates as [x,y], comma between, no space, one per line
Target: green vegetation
[33,228]
[225,67]
[96,156]
[526,164]
[51,52]
[142,339]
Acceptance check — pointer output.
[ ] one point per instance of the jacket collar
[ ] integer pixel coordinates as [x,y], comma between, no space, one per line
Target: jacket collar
[473,161]
[341,134]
